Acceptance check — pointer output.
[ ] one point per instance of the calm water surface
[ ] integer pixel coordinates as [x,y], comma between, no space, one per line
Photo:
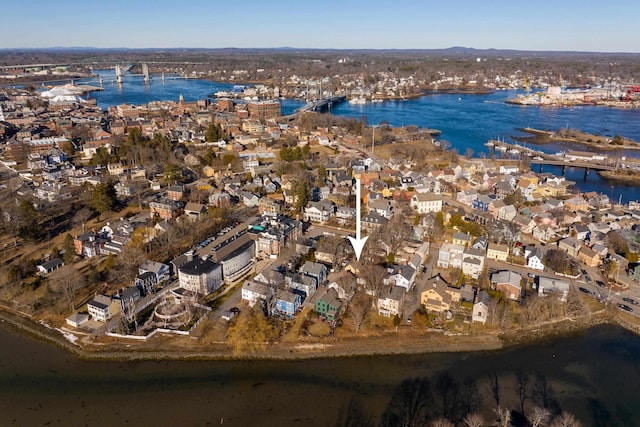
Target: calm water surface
[594,374]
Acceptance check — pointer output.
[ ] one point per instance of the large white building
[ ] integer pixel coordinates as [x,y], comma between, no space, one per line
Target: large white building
[239,262]
[201,275]
[426,202]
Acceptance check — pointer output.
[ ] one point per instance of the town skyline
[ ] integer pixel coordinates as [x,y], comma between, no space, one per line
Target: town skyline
[408,24]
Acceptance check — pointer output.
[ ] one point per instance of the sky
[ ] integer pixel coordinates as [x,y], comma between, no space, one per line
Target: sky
[561,25]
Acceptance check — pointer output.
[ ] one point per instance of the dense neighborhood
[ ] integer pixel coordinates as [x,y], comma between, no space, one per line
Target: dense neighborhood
[175,213]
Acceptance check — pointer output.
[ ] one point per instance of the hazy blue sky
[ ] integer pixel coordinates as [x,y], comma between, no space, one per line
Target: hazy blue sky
[420,24]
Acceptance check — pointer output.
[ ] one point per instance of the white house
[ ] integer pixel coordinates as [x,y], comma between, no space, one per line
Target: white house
[426,202]
[253,291]
[481,308]
[391,301]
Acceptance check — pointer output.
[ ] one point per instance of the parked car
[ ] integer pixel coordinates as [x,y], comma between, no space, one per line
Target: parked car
[630,301]
[625,307]
[585,290]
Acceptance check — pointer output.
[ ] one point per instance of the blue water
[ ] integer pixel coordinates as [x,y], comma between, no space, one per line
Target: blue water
[466,121]
[133,90]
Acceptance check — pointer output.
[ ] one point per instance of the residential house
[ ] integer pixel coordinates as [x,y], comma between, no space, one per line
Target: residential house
[305,286]
[462,239]
[166,208]
[426,202]
[467,197]
[328,305]
[287,302]
[589,257]
[320,212]
[576,203]
[402,276]
[270,206]
[482,203]
[102,308]
[507,282]
[315,270]
[507,212]
[498,252]
[254,291]
[372,222]
[534,259]
[160,270]
[580,232]
[345,215]
[195,211]
[89,244]
[570,245]
[381,207]
[147,282]
[480,243]
[128,298]
[547,285]
[176,192]
[434,297]
[249,199]
[472,262]
[481,308]
[391,301]
[450,255]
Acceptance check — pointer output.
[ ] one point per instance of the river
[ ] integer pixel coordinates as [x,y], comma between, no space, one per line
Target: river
[593,374]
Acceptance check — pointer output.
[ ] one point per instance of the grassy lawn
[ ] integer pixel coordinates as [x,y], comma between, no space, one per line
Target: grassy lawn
[293,332]
[319,329]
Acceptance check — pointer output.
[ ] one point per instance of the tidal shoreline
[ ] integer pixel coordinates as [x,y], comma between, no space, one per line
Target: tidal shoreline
[389,344]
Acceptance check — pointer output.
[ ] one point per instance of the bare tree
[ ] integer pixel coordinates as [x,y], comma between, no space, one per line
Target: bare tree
[441,422]
[540,417]
[67,281]
[543,392]
[82,216]
[408,404]
[373,281]
[470,395]
[358,310]
[128,262]
[504,416]
[494,386]
[473,420]
[565,420]
[353,415]
[447,392]
[522,380]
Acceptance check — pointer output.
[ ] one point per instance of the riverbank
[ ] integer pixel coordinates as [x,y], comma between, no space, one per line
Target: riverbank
[627,177]
[390,343]
[574,136]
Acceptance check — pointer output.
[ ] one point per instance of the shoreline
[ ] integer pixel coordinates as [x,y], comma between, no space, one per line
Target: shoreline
[541,137]
[392,343]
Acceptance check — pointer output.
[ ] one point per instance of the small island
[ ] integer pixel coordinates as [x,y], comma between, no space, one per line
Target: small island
[575,136]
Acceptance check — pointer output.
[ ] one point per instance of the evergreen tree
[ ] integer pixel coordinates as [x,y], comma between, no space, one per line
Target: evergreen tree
[69,249]
[103,198]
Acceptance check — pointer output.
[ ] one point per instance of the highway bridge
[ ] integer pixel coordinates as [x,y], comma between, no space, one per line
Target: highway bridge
[574,164]
[322,105]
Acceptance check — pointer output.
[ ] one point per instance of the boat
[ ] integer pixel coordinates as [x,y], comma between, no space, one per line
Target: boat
[358,101]
[489,144]
[514,151]
[501,148]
